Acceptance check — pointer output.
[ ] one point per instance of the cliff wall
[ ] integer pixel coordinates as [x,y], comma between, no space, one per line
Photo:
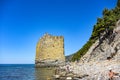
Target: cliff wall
[105,49]
[103,55]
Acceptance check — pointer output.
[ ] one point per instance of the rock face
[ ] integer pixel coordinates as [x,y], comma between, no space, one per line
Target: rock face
[107,48]
[50,51]
[102,56]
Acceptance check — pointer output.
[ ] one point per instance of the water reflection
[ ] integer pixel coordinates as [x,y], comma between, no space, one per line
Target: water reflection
[44,73]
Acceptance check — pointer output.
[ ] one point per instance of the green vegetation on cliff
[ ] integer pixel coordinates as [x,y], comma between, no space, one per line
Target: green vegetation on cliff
[104,24]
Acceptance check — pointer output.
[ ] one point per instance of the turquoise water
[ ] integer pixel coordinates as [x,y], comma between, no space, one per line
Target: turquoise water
[24,72]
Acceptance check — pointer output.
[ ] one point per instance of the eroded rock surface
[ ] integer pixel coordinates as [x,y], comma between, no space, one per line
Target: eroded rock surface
[50,51]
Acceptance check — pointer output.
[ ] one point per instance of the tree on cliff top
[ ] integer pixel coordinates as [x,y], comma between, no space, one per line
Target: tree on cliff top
[107,22]
[118,3]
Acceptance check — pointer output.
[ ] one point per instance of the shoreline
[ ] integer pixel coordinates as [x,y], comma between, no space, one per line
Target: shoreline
[89,70]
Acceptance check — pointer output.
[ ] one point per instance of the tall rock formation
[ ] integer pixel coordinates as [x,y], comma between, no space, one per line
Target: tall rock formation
[50,51]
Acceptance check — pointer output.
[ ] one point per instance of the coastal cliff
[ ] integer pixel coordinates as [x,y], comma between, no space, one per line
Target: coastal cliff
[50,51]
[105,48]
[102,31]
[101,57]
[102,51]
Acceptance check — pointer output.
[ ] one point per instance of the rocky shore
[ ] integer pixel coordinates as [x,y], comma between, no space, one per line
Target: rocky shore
[88,71]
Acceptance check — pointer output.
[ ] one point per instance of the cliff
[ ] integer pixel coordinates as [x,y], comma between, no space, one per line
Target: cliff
[103,55]
[101,30]
[102,51]
[50,51]
[107,48]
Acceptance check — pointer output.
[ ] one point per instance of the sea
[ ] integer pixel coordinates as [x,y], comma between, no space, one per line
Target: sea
[25,72]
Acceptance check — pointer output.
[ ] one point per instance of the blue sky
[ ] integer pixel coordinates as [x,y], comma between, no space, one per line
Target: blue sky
[24,22]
